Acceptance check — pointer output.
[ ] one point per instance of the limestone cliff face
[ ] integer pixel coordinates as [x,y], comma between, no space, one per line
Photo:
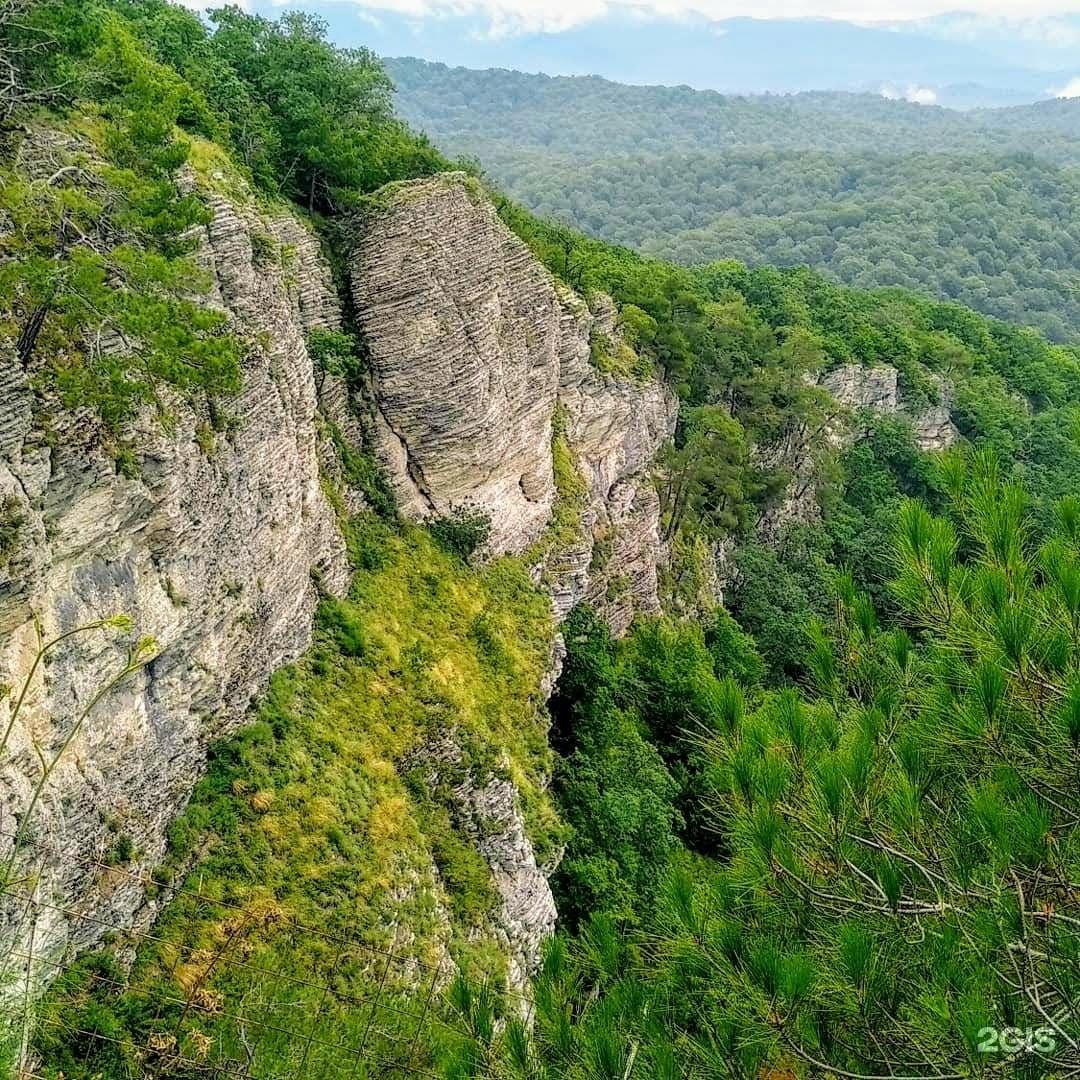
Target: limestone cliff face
[210,549]
[852,387]
[877,389]
[462,328]
[473,347]
[213,543]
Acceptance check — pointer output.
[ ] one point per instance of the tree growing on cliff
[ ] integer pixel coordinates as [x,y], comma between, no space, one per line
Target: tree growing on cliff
[705,474]
[312,122]
[97,296]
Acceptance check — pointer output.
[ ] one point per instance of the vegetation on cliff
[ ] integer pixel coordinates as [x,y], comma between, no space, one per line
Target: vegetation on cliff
[873,874]
[830,828]
[99,294]
[322,814]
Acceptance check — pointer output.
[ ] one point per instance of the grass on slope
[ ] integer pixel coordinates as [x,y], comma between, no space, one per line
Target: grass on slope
[309,814]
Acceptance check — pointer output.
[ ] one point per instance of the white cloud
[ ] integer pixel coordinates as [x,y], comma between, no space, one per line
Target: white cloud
[918,95]
[1053,31]
[523,16]
[921,95]
[511,17]
[1069,90]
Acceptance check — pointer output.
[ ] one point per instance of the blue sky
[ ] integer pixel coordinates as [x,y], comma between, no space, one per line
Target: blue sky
[561,14]
[1021,50]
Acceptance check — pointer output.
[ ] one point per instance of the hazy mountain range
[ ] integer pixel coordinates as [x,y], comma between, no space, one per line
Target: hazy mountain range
[958,60]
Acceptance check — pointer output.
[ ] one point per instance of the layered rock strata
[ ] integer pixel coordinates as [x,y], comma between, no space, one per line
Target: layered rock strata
[473,348]
[210,545]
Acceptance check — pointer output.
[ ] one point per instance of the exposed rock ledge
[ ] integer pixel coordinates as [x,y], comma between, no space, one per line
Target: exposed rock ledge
[472,348]
[852,387]
[210,550]
[878,389]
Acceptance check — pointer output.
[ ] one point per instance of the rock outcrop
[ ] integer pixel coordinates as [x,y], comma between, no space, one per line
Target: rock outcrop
[210,545]
[614,427]
[212,537]
[877,389]
[462,330]
[473,348]
[485,809]
[853,387]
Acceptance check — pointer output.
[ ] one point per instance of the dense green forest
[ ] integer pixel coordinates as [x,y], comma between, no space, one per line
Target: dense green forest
[979,207]
[575,117]
[868,876]
[827,828]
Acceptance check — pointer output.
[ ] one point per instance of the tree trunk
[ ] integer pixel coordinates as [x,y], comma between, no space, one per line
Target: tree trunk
[29,334]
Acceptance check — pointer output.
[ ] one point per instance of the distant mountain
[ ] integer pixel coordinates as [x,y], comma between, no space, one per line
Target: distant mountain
[1048,43]
[494,112]
[957,60]
[980,206]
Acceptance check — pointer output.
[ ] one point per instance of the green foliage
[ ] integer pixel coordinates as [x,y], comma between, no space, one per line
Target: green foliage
[975,207]
[617,357]
[93,277]
[778,590]
[321,811]
[707,476]
[461,533]
[575,117]
[613,788]
[11,523]
[899,843]
[309,120]
[734,652]
[361,471]
[121,851]
[334,352]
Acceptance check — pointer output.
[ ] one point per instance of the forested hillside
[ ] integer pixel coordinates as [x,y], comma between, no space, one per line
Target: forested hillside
[978,207]
[812,814]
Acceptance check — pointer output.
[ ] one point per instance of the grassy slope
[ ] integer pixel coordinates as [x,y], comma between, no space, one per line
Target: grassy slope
[309,814]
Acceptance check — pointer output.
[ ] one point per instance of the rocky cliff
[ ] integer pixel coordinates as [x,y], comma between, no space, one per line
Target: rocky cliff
[852,388]
[209,544]
[474,353]
[212,539]
[877,389]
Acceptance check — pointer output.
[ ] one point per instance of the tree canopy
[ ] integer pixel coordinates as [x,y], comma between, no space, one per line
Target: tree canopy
[979,207]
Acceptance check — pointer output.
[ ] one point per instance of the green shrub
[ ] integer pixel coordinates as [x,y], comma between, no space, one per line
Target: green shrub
[461,533]
[612,785]
[335,352]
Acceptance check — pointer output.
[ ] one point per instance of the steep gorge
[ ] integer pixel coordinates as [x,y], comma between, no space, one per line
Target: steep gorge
[310,805]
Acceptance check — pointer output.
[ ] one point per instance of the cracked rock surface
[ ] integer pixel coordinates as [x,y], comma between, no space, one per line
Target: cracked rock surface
[209,550]
[473,346]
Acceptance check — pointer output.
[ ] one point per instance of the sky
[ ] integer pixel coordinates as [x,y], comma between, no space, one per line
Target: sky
[556,14]
[991,41]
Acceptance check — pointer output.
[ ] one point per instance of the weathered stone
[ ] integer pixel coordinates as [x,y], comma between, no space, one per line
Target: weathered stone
[461,325]
[210,552]
[877,389]
[15,402]
[473,346]
[487,812]
[853,387]
[934,429]
[864,387]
